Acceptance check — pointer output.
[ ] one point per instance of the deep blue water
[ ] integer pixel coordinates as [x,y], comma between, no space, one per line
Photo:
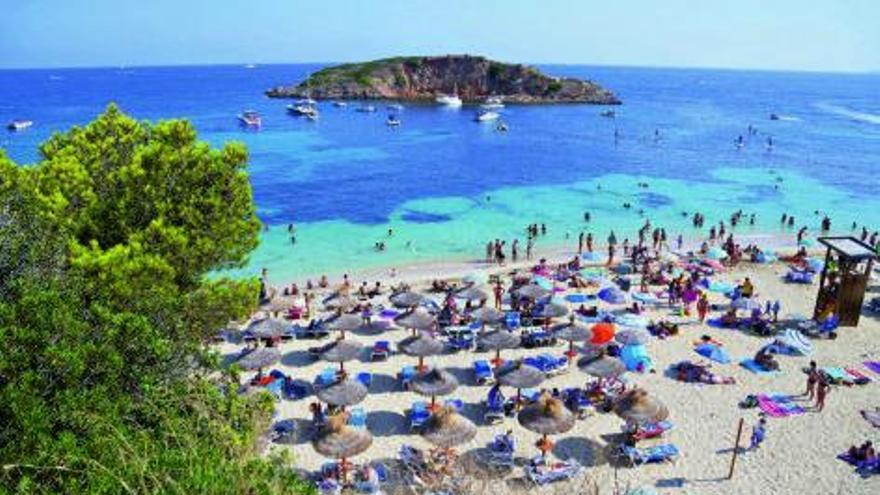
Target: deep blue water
[350,168]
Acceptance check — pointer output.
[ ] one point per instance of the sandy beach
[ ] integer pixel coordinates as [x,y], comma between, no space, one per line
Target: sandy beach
[798,455]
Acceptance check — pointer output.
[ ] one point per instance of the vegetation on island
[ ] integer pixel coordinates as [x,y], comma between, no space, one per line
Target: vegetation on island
[423,78]
[106,384]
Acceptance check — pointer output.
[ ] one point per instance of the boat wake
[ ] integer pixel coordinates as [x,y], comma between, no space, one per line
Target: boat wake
[849,113]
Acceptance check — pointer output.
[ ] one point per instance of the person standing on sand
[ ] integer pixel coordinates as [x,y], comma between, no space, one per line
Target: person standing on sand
[822,389]
[529,245]
[498,291]
[812,380]
[703,307]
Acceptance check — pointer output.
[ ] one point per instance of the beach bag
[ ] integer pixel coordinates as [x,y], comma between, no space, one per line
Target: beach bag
[749,402]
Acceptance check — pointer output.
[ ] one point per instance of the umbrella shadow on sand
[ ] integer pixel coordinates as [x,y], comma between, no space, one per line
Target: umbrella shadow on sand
[465,376]
[383,384]
[589,453]
[297,359]
[473,412]
[227,359]
[387,424]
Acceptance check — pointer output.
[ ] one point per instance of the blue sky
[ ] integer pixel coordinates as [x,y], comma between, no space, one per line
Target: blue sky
[764,34]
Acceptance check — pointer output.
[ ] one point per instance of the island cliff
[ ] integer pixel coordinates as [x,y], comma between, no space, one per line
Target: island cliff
[423,78]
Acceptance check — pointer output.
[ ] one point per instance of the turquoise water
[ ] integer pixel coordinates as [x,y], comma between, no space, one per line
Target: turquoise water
[446,184]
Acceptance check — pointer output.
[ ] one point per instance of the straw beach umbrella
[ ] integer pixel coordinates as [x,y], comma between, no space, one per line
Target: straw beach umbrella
[602,366]
[487,315]
[472,293]
[340,302]
[420,346]
[416,319]
[341,351]
[407,299]
[519,376]
[433,383]
[267,328]
[337,440]
[279,304]
[345,322]
[532,291]
[632,337]
[547,416]
[573,331]
[447,429]
[347,392]
[637,406]
[551,311]
[496,340]
[259,358]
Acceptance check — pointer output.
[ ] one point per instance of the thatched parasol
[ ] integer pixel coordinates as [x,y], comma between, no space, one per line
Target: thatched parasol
[602,366]
[279,304]
[550,311]
[433,383]
[547,416]
[341,351]
[446,428]
[337,440]
[345,322]
[496,340]
[267,328]
[637,406]
[259,358]
[343,393]
[417,319]
[473,293]
[407,299]
[420,346]
[532,291]
[488,315]
[573,331]
[340,302]
[519,376]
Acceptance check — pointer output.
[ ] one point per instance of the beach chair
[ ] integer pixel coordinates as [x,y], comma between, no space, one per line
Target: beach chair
[326,377]
[276,388]
[512,320]
[283,431]
[366,378]
[541,473]
[357,418]
[483,372]
[576,400]
[530,394]
[555,365]
[406,375]
[381,350]
[494,409]
[501,452]
[328,486]
[418,414]
[657,453]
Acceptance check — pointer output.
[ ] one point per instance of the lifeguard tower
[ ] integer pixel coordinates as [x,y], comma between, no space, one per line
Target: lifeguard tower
[844,279]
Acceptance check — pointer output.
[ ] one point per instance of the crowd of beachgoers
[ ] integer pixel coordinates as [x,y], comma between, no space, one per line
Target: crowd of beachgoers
[535,372]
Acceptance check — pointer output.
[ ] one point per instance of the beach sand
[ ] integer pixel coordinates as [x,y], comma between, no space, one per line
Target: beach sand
[798,456]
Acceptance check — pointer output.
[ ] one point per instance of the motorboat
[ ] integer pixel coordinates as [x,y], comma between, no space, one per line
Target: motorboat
[392,121]
[303,109]
[493,103]
[774,116]
[250,118]
[306,101]
[486,116]
[608,113]
[449,100]
[312,116]
[366,109]
[19,125]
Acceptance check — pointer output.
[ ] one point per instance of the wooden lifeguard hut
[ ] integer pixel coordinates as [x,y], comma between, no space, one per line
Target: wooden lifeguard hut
[844,279]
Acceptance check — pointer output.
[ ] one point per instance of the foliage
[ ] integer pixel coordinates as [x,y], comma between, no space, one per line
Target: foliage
[554,87]
[105,386]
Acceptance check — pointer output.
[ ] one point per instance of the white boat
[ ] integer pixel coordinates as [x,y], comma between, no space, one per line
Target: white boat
[397,107]
[19,125]
[366,109]
[306,101]
[493,103]
[392,121]
[340,104]
[250,118]
[486,116]
[303,109]
[449,100]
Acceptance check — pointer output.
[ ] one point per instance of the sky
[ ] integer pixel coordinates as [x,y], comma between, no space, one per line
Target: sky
[814,35]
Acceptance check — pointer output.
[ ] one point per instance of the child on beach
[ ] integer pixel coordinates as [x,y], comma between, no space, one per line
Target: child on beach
[759,432]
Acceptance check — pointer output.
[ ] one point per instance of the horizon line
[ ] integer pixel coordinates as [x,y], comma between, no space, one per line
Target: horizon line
[331,63]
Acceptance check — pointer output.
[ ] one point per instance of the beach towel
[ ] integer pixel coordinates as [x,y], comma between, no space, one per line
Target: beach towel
[713,352]
[873,366]
[836,374]
[754,367]
[858,377]
[779,405]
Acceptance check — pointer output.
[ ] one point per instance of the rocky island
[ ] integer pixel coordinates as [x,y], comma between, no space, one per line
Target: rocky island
[416,79]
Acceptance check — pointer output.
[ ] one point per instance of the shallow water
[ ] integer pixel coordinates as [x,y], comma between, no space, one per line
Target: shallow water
[447,184]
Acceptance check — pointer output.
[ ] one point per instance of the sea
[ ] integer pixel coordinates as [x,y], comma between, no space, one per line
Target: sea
[441,185]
